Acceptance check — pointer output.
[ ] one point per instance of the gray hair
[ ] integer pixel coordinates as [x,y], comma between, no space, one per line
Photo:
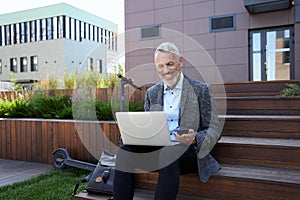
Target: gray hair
[167,47]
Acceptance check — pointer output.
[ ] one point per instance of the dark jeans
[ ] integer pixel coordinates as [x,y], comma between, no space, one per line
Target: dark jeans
[169,172]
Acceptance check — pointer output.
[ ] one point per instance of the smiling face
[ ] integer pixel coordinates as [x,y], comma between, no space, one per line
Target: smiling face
[168,67]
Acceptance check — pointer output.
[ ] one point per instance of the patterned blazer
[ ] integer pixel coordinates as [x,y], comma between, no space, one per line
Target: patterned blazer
[197,111]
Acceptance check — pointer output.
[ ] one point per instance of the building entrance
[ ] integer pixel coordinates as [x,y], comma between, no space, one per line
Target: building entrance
[272,54]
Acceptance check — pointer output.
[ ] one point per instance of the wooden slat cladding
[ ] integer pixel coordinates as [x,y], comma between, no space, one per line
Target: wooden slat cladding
[34,140]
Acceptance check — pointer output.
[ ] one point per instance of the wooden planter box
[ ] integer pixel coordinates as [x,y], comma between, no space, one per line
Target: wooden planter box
[34,140]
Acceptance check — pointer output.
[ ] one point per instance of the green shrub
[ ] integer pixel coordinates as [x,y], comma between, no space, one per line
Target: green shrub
[53,107]
[103,111]
[292,90]
[38,105]
[15,108]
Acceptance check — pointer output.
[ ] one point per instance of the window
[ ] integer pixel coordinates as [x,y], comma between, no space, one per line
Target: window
[43,29]
[16,33]
[151,32]
[72,28]
[109,39]
[38,32]
[271,54]
[32,31]
[87,29]
[99,65]
[77,28]
[60,27]
[0,66]
[113,41]
[33,63]
[105,36]
[222,23]
[91,32]
[1,35]
[90,64]
[13,65]
[102,36]
[22,33]
[27,30]
[23,64]
[7,35]
[49,28]
[82,31]
[97,34]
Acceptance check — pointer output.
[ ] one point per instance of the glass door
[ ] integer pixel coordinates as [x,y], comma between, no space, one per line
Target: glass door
[271,54]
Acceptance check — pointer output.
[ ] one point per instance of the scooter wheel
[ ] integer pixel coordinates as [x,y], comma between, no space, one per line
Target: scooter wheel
[58,159]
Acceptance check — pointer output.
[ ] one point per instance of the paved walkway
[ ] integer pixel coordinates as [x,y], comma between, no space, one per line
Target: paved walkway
[12,171]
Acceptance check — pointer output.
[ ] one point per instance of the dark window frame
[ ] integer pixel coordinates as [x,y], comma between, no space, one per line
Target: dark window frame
[211,29]
[23,67]
[149,27]
[33,66]
[14,67]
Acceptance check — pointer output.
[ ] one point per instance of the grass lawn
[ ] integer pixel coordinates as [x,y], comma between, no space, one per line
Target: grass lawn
[54,185]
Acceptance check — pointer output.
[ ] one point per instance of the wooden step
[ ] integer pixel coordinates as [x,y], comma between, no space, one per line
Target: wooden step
[236,182]
[138,195]
[251,88]
[259,105]
[268,126]
[268,152]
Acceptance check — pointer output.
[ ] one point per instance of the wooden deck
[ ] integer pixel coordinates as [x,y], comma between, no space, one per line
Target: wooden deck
[12,171]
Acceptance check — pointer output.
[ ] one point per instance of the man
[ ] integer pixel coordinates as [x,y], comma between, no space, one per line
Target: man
[189,106]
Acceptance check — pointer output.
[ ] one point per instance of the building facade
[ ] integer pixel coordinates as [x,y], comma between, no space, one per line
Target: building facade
[245,40]
[45,42]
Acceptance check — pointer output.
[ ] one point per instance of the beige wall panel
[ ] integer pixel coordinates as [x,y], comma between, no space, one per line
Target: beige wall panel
[133,6]
[232,56]
[229,7]
[139,19]
[207,41]
[231,39]
[242,21]
[166,3]
[198,10]
[234,73]
[171,14]
[199,26]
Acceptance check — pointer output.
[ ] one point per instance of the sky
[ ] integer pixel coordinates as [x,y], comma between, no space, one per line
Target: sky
[111,10]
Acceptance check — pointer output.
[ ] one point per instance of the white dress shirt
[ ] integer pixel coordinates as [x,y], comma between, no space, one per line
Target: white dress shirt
[172,105]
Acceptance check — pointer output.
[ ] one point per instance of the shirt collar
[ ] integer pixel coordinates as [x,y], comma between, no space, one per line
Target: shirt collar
[179,84]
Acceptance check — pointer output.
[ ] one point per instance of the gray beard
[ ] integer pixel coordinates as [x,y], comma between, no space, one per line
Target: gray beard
[173,82]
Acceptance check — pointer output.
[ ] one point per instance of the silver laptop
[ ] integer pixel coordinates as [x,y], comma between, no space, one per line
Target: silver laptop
[144,128]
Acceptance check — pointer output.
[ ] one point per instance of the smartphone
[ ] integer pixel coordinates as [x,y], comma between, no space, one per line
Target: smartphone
[182,131]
